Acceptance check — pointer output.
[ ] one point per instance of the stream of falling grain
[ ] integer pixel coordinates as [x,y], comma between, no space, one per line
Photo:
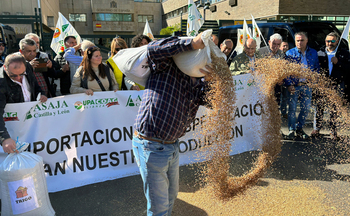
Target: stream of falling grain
[220,119]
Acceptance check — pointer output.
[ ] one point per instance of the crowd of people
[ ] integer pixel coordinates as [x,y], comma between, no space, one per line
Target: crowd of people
[170,99]
[328,61]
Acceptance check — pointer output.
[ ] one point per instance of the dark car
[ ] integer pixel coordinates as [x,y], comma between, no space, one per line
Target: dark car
[316,31]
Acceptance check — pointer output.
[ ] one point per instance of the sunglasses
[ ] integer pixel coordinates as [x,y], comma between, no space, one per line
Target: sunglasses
[329,41]
[3,45]
[118,49]
[13,76]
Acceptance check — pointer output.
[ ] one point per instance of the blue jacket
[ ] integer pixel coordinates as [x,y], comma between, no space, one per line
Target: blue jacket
[294,55]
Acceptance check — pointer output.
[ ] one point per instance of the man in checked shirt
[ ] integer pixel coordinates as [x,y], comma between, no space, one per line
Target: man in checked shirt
[169,105]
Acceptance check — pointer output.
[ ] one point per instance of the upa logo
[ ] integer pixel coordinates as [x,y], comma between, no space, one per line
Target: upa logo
[134,102]
[78,105]
[10,116]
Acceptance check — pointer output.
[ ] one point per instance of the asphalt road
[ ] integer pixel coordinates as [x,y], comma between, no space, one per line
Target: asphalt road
[314,161]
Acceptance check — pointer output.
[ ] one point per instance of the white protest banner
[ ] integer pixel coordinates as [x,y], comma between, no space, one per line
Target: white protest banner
[194,20]
[147,31]
[87,139]
[63,29]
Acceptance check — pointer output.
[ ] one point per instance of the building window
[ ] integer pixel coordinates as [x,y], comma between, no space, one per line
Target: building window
[143,18]
[19,13]
[113,17]
[50,21]
[77,17]
[5,13]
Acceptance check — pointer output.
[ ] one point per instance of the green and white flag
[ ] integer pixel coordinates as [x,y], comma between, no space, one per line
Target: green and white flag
[345,34]
[63,29]
[194,20]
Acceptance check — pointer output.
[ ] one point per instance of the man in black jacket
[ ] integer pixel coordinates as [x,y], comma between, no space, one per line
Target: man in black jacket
[334,65]
[16,85]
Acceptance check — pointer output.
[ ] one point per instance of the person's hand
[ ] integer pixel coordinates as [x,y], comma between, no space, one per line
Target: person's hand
[76,47]
[89,92]
[135,87]
[207,74]
[34,63]
[43,98]
[291,89]
[334,60]
[197,42]
[115,90]
[9,146]
[49,63]
[65,68]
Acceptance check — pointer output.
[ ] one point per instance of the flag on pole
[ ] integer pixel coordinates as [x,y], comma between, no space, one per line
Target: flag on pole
[194,20]
[246,33]
[147,31]
[63,29]
[256,33]
[240,43]
[345,34]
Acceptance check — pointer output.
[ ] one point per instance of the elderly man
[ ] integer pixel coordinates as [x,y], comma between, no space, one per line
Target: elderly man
[2,52]
[297,88]
[334,65]
[67,69]
[16,85]
[273,49]
[245,61]
[169,105]
[28,49]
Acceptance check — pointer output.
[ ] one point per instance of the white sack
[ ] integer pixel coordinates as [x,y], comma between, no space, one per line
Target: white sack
[23,186]
[190,62]
[133,63]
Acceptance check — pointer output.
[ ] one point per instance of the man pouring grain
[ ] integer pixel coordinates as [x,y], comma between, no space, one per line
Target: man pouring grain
[169,104]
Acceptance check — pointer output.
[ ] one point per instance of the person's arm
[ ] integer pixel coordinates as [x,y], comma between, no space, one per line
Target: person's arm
[168,47]
[70,56]
[76,83]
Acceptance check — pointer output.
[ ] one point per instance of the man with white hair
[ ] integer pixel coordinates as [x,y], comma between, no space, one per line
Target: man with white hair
[273,49]
[28,49]
[245,61]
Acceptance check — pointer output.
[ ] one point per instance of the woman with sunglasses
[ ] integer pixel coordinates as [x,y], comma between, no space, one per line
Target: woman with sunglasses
[92,75]
[123,82]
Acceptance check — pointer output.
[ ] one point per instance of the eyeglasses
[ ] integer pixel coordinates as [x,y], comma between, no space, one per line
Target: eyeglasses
[329,41]
[13,76]
[118,49]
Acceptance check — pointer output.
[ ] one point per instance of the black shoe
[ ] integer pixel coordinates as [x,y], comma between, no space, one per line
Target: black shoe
[302,134]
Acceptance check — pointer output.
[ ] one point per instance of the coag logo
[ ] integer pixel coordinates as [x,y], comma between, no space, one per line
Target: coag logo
[97,103]
[251,83]
[57,33]
[10,116]
[134,102]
